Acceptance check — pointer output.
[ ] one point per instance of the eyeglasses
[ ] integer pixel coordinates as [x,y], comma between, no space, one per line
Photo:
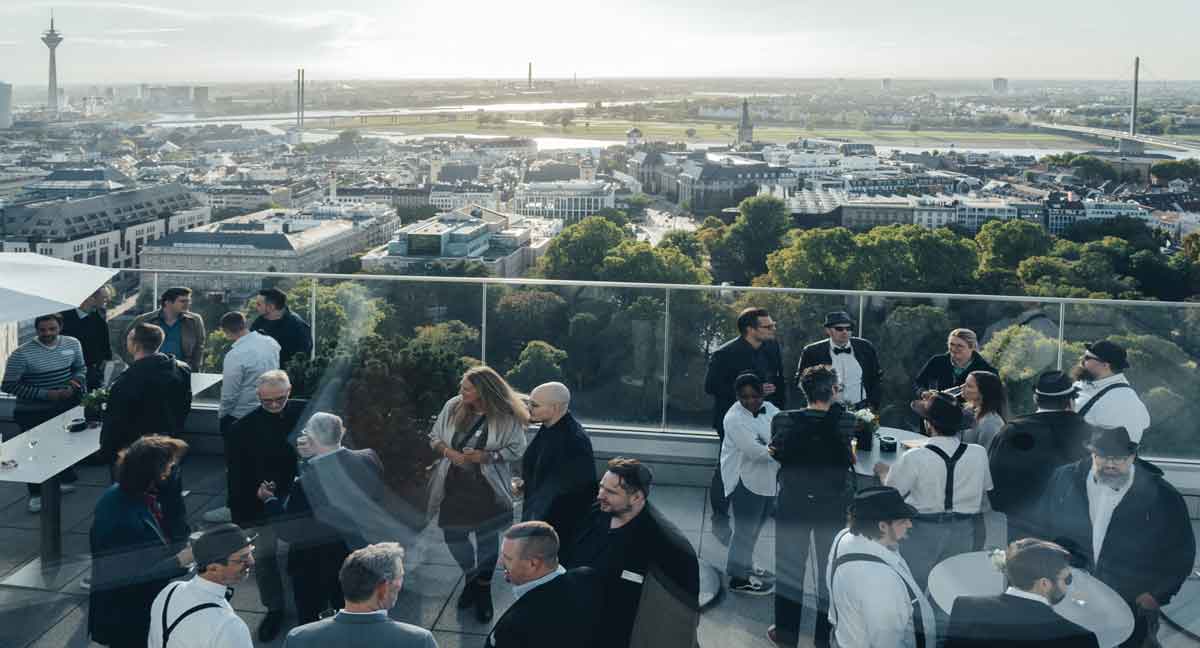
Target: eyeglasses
[843,329]
[273,401]
[1068,579]
[1113,459]
[247,559]
[770,326]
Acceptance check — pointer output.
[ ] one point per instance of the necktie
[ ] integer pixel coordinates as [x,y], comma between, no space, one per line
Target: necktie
[837,350]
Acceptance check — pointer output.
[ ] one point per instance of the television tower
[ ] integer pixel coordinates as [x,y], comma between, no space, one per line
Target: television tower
[52,39]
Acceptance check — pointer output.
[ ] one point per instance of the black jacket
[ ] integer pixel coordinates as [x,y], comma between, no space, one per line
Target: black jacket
[734,358]
[559,470]
[818,353]
[260,451]
[292,333]
[1149,546]
[813,451]
[1005,621]
[92,333]
[1026,453]
[564,611]
[133,558]
[938,372]
[152,396]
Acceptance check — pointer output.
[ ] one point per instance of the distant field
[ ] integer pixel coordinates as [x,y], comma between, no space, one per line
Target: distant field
[705,132]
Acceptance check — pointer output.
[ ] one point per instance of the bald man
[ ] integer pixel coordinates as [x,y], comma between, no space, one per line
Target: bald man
[559,468]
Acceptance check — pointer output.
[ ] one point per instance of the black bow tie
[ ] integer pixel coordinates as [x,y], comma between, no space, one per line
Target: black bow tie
[837,350]
[761,410]
[228,593]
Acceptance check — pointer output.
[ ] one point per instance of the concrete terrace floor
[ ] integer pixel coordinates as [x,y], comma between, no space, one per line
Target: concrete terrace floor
[36,618]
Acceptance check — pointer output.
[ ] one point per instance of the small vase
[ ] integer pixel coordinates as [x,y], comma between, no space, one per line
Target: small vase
[93,414]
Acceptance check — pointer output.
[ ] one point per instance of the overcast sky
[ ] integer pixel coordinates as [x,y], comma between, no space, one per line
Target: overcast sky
[253,40]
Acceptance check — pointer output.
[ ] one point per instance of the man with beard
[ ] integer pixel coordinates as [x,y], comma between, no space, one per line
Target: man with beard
[1123,522]
[1105,396]
[1038,575]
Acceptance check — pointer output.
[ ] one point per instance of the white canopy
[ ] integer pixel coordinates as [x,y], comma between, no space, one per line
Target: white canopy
[35,284]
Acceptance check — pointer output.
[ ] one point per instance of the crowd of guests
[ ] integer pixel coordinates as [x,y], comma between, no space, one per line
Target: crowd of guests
[589,557]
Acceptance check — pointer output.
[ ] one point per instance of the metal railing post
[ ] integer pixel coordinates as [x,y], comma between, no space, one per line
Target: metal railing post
[154,292]
[862,302]
[483,325]
[1062,323]
[666,358]
[312,318]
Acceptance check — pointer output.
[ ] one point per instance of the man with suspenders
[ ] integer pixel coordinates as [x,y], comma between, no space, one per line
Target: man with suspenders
[196,613]
[945,481]
[874,600]
[1106,398]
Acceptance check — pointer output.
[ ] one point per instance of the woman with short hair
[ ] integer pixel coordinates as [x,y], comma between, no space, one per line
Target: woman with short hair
[948,370]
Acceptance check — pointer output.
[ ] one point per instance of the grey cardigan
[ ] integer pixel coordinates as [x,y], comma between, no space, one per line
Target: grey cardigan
[506,440]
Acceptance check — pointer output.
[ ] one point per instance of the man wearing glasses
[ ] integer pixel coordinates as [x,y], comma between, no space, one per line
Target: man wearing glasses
[1124,522]
[262,453]
[853,358]
[753,351]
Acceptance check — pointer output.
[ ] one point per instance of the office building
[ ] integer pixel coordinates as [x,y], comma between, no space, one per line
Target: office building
[569,200]
[6,103]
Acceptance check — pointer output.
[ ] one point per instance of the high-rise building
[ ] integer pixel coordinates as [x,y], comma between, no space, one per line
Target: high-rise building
[1000,85]
[745,130]
[886,85]
[52,39]
[5,105]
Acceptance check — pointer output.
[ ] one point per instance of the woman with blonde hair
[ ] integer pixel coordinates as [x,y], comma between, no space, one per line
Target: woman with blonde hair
[478,434]
[948,371]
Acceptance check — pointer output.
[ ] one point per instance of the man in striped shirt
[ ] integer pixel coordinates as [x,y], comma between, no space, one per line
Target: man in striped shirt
[47,376]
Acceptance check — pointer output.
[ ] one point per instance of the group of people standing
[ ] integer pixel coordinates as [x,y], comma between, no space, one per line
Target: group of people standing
[1065,481]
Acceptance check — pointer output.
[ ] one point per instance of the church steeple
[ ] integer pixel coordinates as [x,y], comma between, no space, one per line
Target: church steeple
[745,130]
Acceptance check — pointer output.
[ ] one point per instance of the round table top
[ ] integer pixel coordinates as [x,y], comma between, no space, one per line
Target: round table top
[1089,603]
[868,458]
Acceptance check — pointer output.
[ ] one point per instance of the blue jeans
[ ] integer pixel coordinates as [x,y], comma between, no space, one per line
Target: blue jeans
[750,512]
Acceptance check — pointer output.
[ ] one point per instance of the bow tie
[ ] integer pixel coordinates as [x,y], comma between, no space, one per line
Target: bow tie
[837,350]
[228,593]
[761,410]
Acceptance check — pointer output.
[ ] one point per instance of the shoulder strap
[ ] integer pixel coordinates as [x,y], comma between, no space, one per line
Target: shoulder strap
[1087,407]
[948,503]
[918,621]
[167,630]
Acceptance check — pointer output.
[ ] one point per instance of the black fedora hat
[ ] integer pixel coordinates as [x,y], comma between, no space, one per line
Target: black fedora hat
[219,543]
[837,318]
[1111,442]
[1110,352]
[881,503]
[1055,384]
[941,410]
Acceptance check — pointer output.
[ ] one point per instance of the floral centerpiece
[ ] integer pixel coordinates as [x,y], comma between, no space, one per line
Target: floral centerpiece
[93,404]
[866,423]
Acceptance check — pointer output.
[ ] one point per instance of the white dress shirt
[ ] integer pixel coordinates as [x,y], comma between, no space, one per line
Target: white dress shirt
[849,373]
[920,475]
[1102,501]
[1020,593]
[218,627]
[522,590]
[251,356]
[1118,408]
[869,605]
[744,454]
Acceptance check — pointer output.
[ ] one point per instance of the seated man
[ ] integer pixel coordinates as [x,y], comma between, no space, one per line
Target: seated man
[1038,575]
[554,607]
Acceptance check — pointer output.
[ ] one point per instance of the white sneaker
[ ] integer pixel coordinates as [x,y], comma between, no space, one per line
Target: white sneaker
[35,503]
[66,488]
[218,516]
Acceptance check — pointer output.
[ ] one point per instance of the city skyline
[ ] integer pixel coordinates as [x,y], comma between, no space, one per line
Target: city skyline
[167,41]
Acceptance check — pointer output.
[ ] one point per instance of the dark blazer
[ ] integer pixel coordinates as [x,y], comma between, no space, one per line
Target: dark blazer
[732,359]
[292,333]
[818,353]
[261,452]
[133,558]
[938,372]
[152,396]
[1026,453]
[559,470]
[1149,546]
[564,611]
[359,631]
[813,452]
[1005,621]
[92,333]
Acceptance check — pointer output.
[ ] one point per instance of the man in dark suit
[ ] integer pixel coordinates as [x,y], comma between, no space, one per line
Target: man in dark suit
[753,351]
[854,359]
[334,506]
[1023,616]
[371,579]
[89,325]
[554,606]
[1029,449]
[559,469]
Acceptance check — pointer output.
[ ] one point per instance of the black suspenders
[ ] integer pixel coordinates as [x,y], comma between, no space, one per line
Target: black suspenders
[167,630]
[1087,407]
[950,462]
[918,620]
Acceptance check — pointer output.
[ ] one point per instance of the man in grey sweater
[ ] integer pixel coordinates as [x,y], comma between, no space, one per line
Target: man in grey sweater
[47,376]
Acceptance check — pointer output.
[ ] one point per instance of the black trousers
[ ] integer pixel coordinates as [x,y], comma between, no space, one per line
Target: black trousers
[716,491]
[1145,625]
[797,519]
[315,583]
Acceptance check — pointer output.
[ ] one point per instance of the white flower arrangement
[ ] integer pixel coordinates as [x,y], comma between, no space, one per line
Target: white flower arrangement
[998,558]
[867,420]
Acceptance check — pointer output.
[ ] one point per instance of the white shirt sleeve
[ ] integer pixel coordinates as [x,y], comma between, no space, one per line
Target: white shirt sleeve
[231,377]
[233,633]
[877,616]
[740,432]
[902,476]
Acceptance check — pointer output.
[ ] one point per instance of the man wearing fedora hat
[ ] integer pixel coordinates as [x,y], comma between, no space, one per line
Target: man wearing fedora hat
[874,600]
[946,481]
[1028,449]
[1105,396]
[1122,520]
[196,613]
[853,358]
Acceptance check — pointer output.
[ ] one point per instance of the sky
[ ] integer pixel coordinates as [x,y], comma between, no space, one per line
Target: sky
[266,40]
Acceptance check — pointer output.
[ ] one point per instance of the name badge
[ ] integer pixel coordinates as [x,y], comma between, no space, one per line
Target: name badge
[632,576]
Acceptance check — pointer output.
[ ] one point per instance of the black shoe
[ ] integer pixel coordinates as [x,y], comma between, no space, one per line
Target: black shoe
[468,596]
[270,626]
[483,602]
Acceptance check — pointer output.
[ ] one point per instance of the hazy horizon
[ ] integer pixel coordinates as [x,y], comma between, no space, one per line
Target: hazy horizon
[167,41]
